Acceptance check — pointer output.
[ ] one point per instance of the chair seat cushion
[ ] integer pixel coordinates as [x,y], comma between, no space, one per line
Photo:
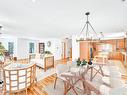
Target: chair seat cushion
[38,62]
[104,90]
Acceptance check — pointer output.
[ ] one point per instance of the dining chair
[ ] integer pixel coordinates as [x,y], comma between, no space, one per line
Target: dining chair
[19,79]
[60,68]
[88,86]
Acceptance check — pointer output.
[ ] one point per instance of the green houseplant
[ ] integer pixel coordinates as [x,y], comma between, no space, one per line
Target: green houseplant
[78,62]
[2,49]
[47,52]
[84,62]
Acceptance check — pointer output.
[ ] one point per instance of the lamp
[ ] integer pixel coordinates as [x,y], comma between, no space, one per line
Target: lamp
[89,36]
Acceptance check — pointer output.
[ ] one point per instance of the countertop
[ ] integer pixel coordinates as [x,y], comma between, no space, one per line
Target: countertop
[124,53]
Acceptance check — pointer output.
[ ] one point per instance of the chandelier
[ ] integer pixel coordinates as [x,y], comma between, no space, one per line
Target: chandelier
[90,34]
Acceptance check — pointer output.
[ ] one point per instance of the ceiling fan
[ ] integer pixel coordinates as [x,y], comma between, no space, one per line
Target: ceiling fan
[0,28]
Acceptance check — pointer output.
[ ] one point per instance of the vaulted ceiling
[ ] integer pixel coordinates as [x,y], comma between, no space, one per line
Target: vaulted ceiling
[58,18]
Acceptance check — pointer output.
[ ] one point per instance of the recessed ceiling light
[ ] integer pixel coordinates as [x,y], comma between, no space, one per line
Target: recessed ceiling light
[33,1]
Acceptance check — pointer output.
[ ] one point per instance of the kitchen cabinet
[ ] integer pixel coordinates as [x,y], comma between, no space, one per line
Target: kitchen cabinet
[115,56]
[120,44]
[84,50]
[125,42]
[124,61]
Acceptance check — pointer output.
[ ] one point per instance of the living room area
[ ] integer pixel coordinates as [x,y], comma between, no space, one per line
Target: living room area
[17,53]
[63,47]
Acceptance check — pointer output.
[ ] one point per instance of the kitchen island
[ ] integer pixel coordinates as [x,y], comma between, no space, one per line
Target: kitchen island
[124,58]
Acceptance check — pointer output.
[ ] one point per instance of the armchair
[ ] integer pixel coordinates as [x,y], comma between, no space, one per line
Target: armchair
[43,60]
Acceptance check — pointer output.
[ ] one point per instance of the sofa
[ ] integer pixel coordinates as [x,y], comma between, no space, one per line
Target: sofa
[44,61]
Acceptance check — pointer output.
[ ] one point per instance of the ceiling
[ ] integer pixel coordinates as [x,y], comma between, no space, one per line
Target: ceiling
[58,18]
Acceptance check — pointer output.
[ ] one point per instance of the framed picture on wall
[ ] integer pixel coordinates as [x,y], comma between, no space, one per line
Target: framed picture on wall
[41,47]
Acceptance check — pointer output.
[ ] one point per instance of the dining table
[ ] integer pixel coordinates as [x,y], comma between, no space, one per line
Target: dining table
[76,74]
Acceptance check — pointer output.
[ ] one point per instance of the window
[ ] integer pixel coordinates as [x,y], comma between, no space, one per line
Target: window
[105,47]
[11,47]
[31,47]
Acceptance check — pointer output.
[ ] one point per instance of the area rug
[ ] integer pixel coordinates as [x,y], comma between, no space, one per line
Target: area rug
[59,90]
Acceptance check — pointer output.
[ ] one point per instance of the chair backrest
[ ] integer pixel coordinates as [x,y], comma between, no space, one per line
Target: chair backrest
[60,68]
[19,79]
[101,59]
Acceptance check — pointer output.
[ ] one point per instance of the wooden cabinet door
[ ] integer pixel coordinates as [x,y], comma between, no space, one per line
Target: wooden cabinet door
[126,43]
[120,44]
[84,50]
[115,56]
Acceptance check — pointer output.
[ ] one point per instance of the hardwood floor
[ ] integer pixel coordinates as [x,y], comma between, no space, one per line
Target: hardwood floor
[38,88]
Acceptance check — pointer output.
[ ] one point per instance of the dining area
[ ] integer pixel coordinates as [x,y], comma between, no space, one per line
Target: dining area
[98,78]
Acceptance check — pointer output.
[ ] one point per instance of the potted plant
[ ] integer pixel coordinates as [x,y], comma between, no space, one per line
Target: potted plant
[2,50]
[78,62]
[84,62]
[47,52]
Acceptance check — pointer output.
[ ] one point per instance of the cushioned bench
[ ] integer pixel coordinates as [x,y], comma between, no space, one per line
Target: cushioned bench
[44,61]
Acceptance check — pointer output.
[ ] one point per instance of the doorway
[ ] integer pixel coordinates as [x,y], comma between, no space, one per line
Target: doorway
[67,49]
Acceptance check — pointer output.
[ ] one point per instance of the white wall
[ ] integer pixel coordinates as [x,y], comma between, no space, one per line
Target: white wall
[55,48]
[75,48]
[23,47]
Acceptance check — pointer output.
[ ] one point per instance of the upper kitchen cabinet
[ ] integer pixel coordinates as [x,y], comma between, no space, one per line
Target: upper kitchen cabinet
[125,42]
[120,44]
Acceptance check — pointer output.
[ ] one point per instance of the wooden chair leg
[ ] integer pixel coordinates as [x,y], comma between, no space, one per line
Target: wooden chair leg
[4,92]
[91,74]
[10,93]
[26,91]
[74,90]
[55,82]
[65,88]
[101,70]
[44,69]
